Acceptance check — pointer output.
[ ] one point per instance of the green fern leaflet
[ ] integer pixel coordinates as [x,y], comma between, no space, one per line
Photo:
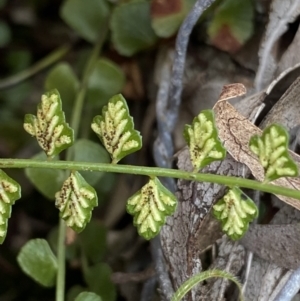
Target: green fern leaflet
[235,211]
[75,201]
[115,128]
[202,139]
[10,191]
[49,127]
[272,150]
[150,206]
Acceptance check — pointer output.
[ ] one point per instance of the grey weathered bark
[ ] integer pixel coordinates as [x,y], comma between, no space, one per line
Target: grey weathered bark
[192,229]
[185,234]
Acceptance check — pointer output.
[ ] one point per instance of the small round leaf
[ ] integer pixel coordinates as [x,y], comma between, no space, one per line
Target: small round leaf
[93,241]
[98,279]
[88,151]
[87,296]
[232,24]
[63,78]
[86,17]
[37,260]
[167,16]
[106,80]
[131,27]
[41,177]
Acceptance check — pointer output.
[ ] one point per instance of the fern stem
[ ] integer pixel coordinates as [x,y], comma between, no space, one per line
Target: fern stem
[77,111]
[75,122]
[61,255]
[191,282]
[34,69]
[152,171]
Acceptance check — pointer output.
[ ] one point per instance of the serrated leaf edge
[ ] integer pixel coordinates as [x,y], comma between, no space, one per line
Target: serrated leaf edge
[150,206]
[235,213]
[10,191]
[115,128]
[271,148]
[202,139]
[75,201]
[53,134]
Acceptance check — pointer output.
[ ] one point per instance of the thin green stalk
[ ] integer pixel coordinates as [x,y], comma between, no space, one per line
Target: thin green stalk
[61,255]
[75,121]
[191,282]
[76,117]
[39,66]
[152,171]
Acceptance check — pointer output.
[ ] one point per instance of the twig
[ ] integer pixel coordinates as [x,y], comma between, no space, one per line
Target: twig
[249,260]
[39,66]
[179,61]
[167,112]
[148,291]
[160,268]
[290,288]
[227,269]
[162,152]
[167,108]
[163,146]
[269,43]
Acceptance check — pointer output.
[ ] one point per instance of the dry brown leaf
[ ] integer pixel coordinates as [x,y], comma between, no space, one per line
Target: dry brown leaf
[235,131]
[286,109]
[232,90]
